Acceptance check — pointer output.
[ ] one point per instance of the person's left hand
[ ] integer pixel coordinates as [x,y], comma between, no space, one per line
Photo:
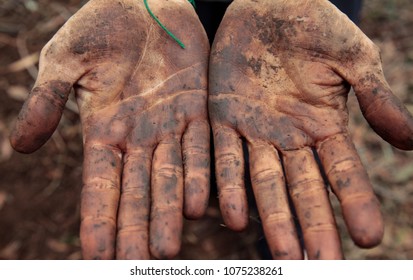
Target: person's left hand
[143,108]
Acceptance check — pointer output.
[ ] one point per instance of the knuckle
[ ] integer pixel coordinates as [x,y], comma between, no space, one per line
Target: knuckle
[195,149]
[97,184]
[227,158]
[307,187]
[97,222]
[321,227]
[265,176]
[132,229]
[168,171]
[277,218]
[342,166]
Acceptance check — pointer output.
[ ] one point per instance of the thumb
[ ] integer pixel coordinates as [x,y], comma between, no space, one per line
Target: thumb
[43,109]
[385,113]
[39,116]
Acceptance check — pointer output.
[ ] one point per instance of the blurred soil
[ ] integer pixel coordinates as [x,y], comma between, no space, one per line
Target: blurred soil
[39,193]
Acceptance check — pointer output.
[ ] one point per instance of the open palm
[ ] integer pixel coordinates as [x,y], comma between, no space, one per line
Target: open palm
[143,107]
[280,81]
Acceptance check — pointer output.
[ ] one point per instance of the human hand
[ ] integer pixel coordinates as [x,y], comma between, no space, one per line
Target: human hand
[280,73]
[143,108]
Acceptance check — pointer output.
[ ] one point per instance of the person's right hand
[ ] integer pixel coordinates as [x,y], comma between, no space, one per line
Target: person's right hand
[280,72]
[143,107]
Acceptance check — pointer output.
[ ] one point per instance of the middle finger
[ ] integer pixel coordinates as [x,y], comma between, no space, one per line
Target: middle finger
[310,198]
[167,200]
[133,217]
[268,182]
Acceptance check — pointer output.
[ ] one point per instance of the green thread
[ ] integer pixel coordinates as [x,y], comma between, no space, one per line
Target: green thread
[192,3]
[163,26]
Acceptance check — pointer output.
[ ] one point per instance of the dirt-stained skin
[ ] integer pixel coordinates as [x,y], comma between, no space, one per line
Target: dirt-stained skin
[280,81]
[143,108]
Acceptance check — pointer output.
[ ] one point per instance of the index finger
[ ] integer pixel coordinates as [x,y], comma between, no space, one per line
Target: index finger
[351,184]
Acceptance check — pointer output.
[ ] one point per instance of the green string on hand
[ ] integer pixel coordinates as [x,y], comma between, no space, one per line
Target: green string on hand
[192,3]
[163,26]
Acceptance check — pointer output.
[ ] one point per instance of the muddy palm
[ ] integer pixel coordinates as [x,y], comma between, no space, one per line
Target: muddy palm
[143,108]
[280,73]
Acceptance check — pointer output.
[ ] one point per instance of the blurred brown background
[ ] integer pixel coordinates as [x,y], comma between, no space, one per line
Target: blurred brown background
[39,193]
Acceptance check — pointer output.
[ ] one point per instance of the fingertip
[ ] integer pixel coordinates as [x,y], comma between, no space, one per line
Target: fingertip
[365,222]
[385,112]
[165,235]
[287,254]
[26,140]
[282,240]
[196,196]
[234,210]
[193,215]
[235,223]
[19,143]
[393,122]
[132,245]
[323,244]
[165,252]
[194,212]
[97,240]
[368,237]
[39,116]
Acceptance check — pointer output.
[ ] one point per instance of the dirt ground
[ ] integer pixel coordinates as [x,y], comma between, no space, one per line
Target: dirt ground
[39,193]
